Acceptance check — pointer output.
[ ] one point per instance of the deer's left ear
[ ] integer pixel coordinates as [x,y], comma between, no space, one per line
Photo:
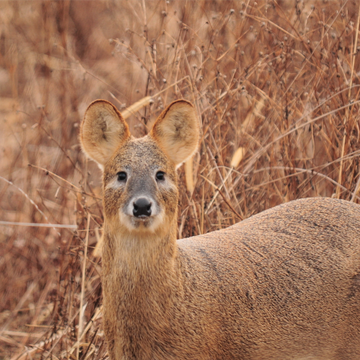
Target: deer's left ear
[176,131]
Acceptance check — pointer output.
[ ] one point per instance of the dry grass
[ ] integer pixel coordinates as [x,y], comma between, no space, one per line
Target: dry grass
[279,79]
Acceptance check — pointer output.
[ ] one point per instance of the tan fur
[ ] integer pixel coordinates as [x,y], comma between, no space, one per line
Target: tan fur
[284,284]
[177,131]
[102,130]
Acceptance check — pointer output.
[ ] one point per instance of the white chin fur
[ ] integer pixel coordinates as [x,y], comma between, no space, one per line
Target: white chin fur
[132,223]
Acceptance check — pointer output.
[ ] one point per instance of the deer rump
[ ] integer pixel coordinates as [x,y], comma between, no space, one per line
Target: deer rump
[283,284]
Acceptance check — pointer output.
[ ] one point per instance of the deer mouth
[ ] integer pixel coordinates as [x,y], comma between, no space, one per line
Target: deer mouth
[141,222]
[135,223]
[141,219]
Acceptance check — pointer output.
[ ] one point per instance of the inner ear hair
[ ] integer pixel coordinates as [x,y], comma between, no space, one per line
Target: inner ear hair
[102,131]
[177,131]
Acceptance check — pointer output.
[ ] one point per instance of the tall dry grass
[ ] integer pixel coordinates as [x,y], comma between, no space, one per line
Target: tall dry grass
[276,86]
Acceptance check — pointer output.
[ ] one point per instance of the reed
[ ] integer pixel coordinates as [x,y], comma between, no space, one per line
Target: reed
[277,79]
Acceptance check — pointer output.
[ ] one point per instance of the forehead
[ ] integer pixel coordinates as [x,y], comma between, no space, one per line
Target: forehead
[140,153]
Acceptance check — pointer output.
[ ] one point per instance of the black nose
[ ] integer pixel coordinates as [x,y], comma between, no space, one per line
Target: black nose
[142,207]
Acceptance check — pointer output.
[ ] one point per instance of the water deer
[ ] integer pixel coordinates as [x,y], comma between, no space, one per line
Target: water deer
[283,284]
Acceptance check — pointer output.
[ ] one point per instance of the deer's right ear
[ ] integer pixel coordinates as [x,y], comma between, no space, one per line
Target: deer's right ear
[102,131]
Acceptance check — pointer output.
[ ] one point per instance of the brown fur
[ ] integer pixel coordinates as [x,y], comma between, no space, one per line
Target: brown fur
[283,284]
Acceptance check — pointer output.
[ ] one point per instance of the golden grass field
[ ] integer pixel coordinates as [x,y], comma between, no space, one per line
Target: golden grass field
[276,87]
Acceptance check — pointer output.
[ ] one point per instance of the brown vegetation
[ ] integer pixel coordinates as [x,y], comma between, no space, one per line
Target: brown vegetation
[276,87]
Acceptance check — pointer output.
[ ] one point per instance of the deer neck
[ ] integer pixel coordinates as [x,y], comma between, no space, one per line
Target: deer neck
[141,284]
[147,261]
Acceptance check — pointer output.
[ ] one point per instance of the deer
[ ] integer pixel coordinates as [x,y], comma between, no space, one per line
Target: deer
[282,284]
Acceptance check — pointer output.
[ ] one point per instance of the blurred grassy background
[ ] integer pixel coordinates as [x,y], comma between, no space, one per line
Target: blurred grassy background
[276,88]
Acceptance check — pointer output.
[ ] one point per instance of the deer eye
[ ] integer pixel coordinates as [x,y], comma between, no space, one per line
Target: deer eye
[121,176]
[160,176]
